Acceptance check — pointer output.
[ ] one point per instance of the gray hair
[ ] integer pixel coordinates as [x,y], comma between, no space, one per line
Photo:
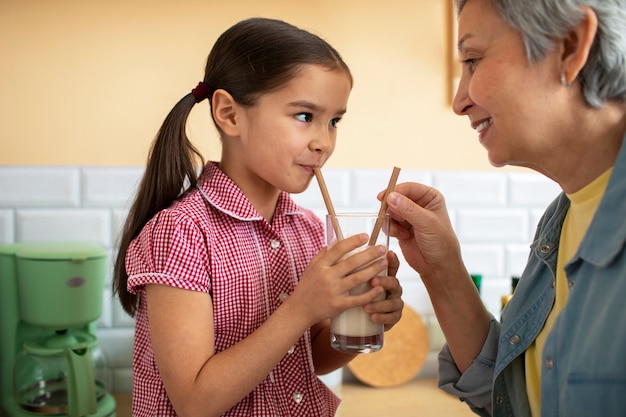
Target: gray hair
[603,78]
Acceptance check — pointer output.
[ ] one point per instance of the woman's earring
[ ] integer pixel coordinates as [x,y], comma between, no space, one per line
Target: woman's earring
[564,82]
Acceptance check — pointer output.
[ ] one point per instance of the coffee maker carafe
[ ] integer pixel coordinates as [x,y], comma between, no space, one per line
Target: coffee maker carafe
[50,298]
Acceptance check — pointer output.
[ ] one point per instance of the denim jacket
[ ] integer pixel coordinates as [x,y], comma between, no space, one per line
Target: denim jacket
[584,372]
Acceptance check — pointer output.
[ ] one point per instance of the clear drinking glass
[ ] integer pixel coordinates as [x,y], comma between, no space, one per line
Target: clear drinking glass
[352,331]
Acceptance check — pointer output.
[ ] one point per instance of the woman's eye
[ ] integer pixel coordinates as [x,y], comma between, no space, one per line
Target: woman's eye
[470,63]
[304,117]
[333,122]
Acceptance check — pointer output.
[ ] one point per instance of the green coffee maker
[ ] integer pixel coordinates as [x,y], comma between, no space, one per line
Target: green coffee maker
[50,299]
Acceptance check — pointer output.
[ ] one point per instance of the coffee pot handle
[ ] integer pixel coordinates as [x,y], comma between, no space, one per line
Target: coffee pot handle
[81,387]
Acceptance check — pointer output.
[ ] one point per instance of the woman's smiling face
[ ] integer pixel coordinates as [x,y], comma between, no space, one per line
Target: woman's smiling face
[509,101]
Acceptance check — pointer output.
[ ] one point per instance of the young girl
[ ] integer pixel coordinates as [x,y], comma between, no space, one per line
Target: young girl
[228,278]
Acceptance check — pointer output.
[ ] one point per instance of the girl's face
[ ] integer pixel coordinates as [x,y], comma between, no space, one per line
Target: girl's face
[512,104]
[287,133]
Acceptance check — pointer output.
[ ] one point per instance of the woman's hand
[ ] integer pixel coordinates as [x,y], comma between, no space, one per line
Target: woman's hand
[422,226]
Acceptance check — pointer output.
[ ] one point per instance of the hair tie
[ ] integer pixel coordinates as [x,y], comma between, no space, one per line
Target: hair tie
[201,92]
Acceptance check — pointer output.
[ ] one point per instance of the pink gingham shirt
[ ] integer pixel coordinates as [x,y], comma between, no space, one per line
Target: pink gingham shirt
[213,240]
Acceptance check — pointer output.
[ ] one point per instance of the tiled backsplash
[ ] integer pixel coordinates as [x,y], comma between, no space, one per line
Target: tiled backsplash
[494,215]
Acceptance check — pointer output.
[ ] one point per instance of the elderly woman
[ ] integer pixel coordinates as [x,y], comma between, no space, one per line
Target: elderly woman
[544,86]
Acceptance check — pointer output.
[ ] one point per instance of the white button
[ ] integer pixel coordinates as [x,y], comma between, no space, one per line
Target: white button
[275,244]
[297,397]
[291,349]
[283,297]
[549,363]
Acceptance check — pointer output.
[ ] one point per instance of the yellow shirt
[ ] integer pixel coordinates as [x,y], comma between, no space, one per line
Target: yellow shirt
[583,206]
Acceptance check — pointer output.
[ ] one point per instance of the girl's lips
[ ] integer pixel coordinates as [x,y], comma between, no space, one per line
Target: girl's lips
[309,168]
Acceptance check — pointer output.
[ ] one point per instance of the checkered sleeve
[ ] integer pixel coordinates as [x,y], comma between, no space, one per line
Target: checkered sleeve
[170,250]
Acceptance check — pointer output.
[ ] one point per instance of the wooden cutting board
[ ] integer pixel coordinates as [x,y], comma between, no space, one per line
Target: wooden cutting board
[404,352]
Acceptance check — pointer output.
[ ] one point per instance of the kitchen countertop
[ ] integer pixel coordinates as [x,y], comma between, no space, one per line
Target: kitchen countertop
[420,398]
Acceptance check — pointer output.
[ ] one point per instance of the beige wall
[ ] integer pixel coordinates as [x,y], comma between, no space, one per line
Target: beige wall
[89,82]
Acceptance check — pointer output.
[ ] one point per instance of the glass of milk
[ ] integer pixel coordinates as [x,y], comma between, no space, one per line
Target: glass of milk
[352,331]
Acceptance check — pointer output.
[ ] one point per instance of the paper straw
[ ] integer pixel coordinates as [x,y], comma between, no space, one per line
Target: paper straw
[383,206]
[329,203]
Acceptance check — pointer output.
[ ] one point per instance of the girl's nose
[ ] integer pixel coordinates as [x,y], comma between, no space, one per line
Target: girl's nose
[323,141]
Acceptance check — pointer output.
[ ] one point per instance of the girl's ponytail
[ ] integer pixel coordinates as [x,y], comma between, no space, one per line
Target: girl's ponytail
[171,170]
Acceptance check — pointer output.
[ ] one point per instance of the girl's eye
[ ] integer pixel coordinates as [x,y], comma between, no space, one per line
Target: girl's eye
[333,122]
[304,117]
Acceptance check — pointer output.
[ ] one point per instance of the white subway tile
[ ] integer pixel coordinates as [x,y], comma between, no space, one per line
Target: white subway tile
[120,317]
[109,272]
[492,293]
[117,346]
[7,226]
[405,272]
[516,259]
[500,226]
[39,225]
[122,380]
[484,259]
[110,187]
[472,189]
[311,198]
[414,295]
[117,226]
[535,216]
[366,184]
[436,338]
[39,187]
[338,184]
[453,220]
[531,190]
[413,175]
[106,318]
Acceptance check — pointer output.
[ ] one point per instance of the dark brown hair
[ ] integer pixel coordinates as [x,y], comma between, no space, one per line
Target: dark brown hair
[253,57]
